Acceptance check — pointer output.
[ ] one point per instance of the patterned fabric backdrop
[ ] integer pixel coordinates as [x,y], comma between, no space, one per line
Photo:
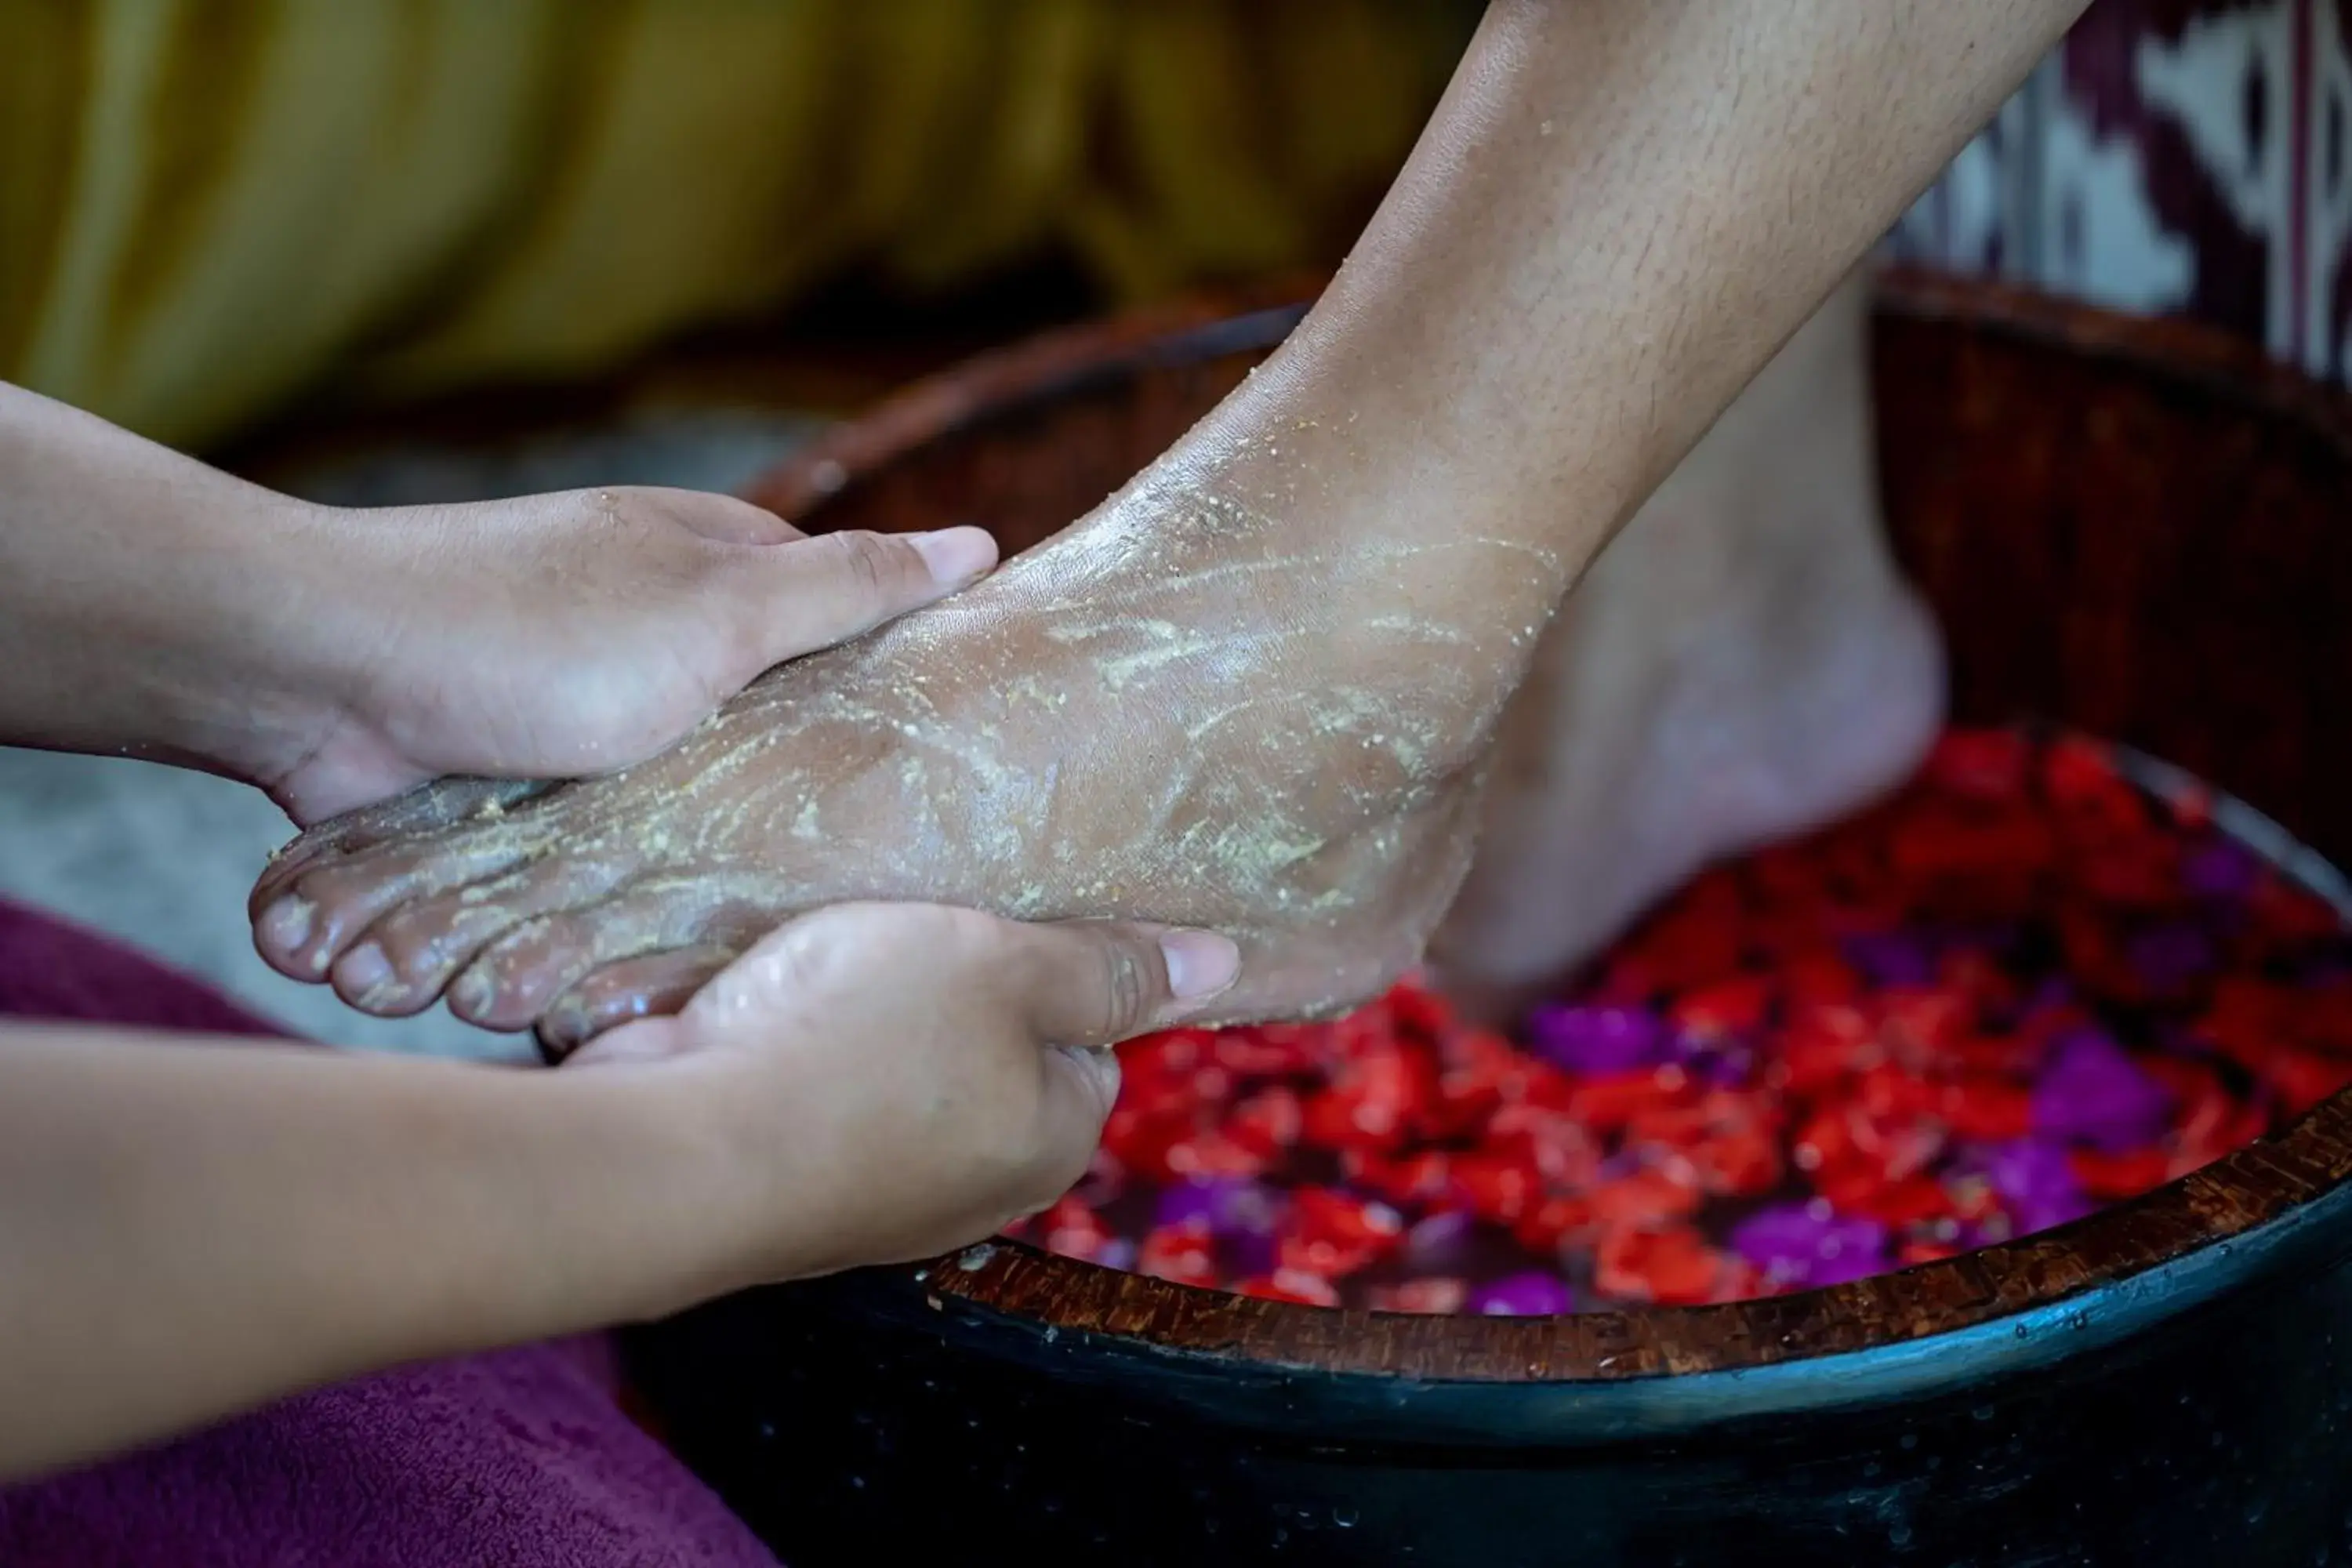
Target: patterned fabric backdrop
[2173,156]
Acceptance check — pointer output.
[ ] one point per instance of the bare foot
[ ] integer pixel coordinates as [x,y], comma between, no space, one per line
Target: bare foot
[1741,664]
[1184,710]
[1178,707]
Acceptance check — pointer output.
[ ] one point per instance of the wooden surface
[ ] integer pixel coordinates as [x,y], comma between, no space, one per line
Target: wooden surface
[2137,528]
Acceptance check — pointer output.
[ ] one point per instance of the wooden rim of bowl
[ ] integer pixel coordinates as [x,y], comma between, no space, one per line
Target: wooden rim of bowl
[2051,1272]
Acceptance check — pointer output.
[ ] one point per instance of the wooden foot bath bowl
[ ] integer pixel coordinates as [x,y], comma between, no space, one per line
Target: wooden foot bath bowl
[2141,531]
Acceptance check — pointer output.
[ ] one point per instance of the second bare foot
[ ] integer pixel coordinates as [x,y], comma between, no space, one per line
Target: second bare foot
[1742,663]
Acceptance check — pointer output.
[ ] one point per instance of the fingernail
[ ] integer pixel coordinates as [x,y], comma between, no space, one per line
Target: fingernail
[1200,963]
[365,971]
[287,926]
[955,556]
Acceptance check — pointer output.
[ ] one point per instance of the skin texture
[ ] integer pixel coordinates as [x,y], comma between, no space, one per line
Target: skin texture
[1257,690]
[192,1228]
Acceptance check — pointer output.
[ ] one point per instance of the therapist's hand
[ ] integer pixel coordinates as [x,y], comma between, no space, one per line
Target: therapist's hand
[888,1081]
[562,635]
[191,1227]
[154,606]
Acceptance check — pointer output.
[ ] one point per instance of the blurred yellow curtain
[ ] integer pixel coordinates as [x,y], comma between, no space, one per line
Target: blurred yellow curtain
[208,206]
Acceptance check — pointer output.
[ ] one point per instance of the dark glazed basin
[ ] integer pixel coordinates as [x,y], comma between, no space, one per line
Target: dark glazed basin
[2140,530]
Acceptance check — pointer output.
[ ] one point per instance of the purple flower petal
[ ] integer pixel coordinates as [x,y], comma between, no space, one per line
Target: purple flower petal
[1810,1243]
[2224,869]
[1891,958]
[1522,1296]
[2050,1215]
[1235,1207]
[2034,1180]
[1433,1245]
[1184,1202]
[1596,1039]
[1725,1063]
[2090,1091]
[1849,1265]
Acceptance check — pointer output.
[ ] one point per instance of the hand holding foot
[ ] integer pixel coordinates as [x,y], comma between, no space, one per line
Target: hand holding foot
[154,606]
[577,633]
[899,1079]
[866,1085]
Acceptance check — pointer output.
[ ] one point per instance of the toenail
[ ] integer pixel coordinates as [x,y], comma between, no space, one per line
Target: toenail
[364,972]
[287,926]
[565,1026]
[470,995]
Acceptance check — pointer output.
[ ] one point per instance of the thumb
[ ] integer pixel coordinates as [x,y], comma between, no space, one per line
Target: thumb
[1080,1089]
[810,593]
[1094,984]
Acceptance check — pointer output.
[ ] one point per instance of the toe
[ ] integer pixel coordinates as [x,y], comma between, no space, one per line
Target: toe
[403,961]
[428,808]
[517,977]
[653,984]
[312,920]
[513,979]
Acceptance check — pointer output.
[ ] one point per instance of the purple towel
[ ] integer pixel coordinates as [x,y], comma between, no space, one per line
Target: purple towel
[523,1459]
